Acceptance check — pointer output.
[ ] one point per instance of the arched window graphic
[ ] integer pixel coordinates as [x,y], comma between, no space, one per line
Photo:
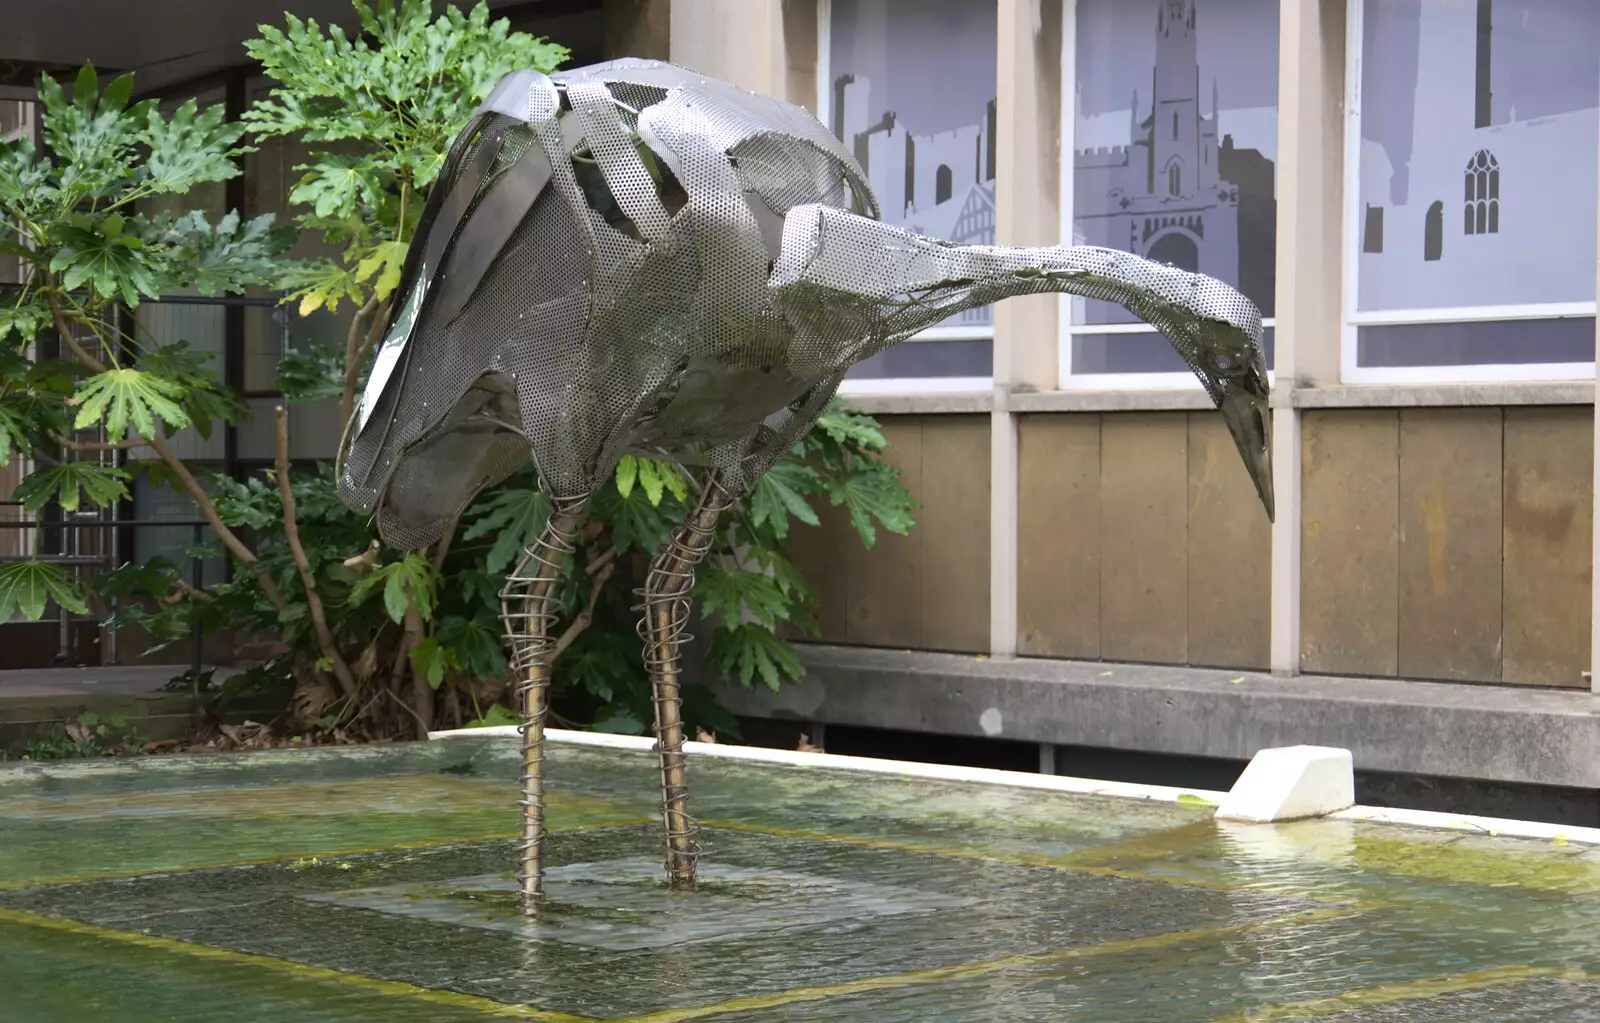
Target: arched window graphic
[943,184]
[1482,212]
[1174,178]
[1174,124]
[1433,233]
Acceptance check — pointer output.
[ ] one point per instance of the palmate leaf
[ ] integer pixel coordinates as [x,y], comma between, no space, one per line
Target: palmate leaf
[390,257]
[516,515]
[28,585]
[781,492]
[24,176]
[204,399]
[228,256]
[335,186]
[98,251]
[311,375]
[67,482]
[190,148]
[403,581]
[656,477]
[871,491]
[735,594]
[25,319]
[91,134]
[746,652]
[851,429]
[318,283]
[121,396]
[432,659]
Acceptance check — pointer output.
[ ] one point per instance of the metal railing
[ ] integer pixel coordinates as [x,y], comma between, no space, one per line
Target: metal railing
[71,553]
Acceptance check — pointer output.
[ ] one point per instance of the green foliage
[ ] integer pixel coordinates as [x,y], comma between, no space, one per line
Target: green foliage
[380,112]
[77,216]
[27,586]
[751,596]
[87,735]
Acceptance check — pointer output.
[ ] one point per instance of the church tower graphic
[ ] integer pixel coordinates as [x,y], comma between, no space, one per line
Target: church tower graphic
[1176,192]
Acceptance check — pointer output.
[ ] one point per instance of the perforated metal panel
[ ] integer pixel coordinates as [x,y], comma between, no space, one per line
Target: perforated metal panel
[631,257]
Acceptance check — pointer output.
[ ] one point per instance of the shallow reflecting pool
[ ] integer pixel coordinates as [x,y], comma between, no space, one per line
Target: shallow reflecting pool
[373,884]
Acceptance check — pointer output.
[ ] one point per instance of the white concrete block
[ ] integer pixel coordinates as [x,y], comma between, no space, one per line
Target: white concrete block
[1290,783]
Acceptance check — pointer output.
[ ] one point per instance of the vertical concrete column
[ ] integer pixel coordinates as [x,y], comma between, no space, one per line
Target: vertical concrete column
[738,41]
[1027,212]
[1311,125]
[1594,574]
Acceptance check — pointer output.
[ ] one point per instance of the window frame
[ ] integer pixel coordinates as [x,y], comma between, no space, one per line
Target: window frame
[897,385]
[1350,277]
[1066,329]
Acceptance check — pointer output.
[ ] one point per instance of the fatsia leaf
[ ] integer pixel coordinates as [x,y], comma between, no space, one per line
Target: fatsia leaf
[403,581]
[25,319]
[747,652]
[67,482]
[189,148]
[98,252]
[314,374]
[872,492]
[627,474]
[121,396]
[516,516]
[781,492]
[737,594]
[27,585]
[432,660]
[851,429]
[318,284]
[391,258]
[228,256]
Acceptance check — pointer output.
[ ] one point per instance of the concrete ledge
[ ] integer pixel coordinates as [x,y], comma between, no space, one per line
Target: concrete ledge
[1542,737]
[919,403]
[1153,399]
[870,765]
[1575,392]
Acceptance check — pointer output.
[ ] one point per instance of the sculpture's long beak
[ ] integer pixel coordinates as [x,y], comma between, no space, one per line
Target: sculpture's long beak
[1250,421]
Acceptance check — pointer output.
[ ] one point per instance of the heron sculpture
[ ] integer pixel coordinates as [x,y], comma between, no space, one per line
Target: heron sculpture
[634,258]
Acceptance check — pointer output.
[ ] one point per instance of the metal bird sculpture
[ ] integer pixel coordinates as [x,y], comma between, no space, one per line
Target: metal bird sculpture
[634,258]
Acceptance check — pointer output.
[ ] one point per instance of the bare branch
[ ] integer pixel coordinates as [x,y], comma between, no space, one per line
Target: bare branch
[291,529]
[353,347]
[585,618]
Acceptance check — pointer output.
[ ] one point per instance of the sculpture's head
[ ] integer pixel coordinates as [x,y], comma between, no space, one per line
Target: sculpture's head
[1233,368]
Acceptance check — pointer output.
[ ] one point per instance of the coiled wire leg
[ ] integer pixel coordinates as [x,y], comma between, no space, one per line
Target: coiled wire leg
[666,605]
[529,609]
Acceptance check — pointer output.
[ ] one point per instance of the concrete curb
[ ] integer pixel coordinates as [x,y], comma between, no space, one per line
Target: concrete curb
[1494,826]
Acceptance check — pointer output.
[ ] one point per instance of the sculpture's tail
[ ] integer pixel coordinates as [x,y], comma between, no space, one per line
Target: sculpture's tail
[839,272]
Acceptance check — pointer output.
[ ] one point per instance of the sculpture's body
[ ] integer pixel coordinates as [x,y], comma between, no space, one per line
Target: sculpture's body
[630,258]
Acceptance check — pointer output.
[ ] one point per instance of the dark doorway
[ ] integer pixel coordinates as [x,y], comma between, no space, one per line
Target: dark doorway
[1178,249]
[1433,234]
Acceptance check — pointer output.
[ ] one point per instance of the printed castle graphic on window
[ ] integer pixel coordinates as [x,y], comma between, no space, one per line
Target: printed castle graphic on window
[1465,202]
[1175,192]
[940,185]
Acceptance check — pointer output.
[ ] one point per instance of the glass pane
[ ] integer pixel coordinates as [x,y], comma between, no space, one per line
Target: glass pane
[912,94]
[1094,354]
[1442,103]
[1176,138]
[152,503]
[1473,344]
[928,359]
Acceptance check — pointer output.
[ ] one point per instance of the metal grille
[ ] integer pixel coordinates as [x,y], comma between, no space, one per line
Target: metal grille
[631,257]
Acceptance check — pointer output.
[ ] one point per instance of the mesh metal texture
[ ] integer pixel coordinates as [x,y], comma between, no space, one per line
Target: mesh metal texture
[631,257]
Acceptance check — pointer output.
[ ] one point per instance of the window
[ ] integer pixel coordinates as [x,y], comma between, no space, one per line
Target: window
[1457,98]
[1172,125]
[909,87]
[1483,194]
